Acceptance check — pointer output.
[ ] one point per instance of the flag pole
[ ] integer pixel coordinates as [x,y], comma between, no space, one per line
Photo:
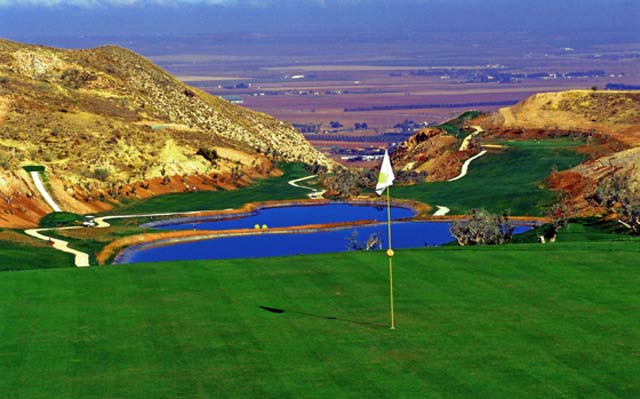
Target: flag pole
[390,256]
[385,180]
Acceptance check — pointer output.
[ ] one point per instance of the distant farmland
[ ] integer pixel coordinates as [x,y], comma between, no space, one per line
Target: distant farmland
[432,105]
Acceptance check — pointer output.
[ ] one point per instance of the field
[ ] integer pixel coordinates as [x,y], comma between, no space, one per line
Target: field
[309,80]
[512,179]
[502,322]
[381,80]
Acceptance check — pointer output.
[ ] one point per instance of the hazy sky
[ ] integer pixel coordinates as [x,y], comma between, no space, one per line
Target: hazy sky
[613,19]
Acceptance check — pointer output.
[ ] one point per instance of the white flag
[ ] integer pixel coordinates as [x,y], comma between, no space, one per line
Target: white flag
[385,178]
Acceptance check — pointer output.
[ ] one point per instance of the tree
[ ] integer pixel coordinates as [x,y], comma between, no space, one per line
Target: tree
[373,242]
[410,177]
[347,182]
[101,174]
[619,197]
[361,126]
[559,215]
[209,154]
[480,227]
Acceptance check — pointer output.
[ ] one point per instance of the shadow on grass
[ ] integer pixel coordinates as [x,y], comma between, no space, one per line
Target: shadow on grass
[280,311]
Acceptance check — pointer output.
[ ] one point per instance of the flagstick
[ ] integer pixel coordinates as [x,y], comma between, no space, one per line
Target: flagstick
[390,256]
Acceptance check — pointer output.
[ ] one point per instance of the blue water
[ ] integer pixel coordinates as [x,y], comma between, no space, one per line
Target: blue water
[404,235]
[291,216]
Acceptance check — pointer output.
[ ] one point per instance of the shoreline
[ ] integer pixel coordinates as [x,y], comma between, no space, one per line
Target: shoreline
[114,248]
[124,247]
[253,208]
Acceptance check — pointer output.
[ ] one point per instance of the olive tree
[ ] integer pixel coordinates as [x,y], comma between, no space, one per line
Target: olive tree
[619,197]
[558,214]
[480,227]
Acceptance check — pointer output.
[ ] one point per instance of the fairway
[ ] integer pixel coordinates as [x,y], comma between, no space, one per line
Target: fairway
[493,322]
[513,179]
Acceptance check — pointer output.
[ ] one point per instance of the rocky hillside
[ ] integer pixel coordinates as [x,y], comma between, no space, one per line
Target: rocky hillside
[616,113]
[606,122]
[434,151]
[580,182]
[609,119]
[109,124]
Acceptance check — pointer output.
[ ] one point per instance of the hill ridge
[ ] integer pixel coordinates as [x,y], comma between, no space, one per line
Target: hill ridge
[110,124]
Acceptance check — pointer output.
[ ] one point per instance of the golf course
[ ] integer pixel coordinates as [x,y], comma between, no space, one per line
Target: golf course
[319,199]
[514,321]
[511,179]
[518,320]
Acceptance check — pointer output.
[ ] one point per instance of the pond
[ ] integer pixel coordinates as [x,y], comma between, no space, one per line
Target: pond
[404,235]
[287,216]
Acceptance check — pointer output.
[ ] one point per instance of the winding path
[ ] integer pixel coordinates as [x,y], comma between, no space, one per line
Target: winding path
[317,195]
[465,143]
[465,165]
[81,259]
[443,210]
[43,191]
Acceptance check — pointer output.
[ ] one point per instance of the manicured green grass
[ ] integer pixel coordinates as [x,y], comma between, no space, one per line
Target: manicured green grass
[503,322]
[34,168]
[560,142]
[274,188]
[57,219]
[581,230]
[14,256]
[513,179]
[454,126]
[94,243]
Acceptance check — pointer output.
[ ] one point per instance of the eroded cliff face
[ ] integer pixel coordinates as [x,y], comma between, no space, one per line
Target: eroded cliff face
[108,124]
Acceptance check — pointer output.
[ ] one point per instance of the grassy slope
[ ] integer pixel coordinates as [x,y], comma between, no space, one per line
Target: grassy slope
[92,244]
[15,256]
[454,126]
[514,321]
[509,180]
[275,188]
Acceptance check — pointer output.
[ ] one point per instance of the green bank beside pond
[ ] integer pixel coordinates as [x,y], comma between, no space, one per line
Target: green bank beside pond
[513,178]
[269,189]
[501,322]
